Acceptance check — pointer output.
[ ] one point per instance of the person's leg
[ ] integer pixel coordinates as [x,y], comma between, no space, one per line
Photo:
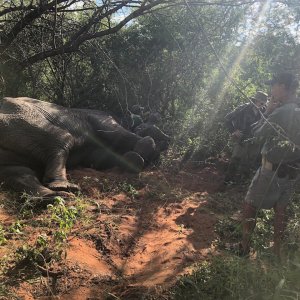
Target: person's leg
[231,171]
[245,164]
[280,222]
[235,162]
[249,222]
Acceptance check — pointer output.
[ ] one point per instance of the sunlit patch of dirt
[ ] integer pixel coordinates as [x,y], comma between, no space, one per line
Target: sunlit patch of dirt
[142,231]
[83,253]
[4,216]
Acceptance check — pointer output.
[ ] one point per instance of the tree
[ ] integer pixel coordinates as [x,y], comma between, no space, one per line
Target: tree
[35,30]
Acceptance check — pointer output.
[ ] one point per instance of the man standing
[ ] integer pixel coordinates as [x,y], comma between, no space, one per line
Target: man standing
[239,123]
[273,183]
[136,116]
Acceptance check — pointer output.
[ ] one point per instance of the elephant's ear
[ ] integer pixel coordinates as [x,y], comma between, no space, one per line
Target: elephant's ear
[132,162]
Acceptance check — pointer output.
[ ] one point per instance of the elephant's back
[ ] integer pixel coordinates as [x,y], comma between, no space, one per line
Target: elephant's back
[102,118]
[27,130]
[21,104]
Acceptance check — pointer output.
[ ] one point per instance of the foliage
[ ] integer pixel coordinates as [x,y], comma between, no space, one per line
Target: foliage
[16,227]
[236,278]
[172,60]
[129,189]
[64,217]
[2,236]
[6,233]
[230,277]
[37,254]
[5,293]
[191,64]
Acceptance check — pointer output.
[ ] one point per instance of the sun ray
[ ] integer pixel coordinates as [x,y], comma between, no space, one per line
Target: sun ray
[251,32]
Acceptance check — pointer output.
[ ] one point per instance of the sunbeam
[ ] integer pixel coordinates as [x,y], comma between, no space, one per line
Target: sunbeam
[231,68]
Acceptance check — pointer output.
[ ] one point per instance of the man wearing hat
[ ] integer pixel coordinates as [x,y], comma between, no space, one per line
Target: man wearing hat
[239,123]
[274,181]
[136,116]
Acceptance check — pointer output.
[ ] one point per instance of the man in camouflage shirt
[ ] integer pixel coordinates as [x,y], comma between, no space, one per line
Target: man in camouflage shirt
[274,182]
[239,123]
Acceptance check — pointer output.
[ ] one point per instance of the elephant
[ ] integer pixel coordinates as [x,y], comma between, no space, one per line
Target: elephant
[39,140]
[151,129]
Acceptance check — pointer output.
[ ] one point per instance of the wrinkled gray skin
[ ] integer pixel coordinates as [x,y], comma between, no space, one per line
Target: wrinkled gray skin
[161,139]
[38,140]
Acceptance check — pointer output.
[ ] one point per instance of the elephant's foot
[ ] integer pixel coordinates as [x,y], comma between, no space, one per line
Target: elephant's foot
[63,186]
[133,162]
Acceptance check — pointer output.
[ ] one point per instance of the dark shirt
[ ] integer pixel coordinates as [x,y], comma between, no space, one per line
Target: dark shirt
[242,118]
[136,121]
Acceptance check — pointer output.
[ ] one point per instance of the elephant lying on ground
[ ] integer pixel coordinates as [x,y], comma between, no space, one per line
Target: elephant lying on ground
[39,140]
[151,128]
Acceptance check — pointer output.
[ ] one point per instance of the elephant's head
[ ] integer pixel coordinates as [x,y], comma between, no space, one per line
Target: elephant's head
[143,153]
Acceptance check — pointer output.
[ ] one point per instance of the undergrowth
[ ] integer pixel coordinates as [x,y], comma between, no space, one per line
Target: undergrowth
[231,277]
[36,256]
[266,277]
[223,277]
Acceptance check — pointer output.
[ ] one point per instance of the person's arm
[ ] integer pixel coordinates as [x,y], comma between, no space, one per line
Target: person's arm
[269,126]
[271,106]
[229,125]
[231,117]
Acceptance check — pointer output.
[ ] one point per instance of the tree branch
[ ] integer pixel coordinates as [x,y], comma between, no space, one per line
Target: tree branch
[84,33]
[74,44]
[16,8]
[28,19]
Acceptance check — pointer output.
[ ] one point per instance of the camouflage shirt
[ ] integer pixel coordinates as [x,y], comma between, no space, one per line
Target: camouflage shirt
[281,135]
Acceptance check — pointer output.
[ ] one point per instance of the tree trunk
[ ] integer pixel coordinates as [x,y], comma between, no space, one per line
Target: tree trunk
[11,78]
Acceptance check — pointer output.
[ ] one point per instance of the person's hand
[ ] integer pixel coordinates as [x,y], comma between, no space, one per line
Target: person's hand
[271,106]
[237,134]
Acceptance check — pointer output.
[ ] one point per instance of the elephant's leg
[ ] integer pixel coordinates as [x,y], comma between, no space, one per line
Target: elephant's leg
[132,162]
[55,176]
[143,152]
[55,147]
[23,179]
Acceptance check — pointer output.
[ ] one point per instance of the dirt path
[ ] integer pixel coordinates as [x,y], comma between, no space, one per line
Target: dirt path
[137,235]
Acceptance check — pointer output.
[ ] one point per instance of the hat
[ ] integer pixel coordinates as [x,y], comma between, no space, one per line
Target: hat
[288,79]
[260,96]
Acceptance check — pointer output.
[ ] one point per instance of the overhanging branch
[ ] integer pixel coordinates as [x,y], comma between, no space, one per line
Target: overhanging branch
[78,40]
[8,38]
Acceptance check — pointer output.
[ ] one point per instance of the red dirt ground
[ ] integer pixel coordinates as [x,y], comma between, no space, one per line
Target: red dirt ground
[130,244]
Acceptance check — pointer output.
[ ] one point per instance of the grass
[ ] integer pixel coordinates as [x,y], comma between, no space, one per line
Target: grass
[35,255]
[230,277]
[3,239]
[6,294]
